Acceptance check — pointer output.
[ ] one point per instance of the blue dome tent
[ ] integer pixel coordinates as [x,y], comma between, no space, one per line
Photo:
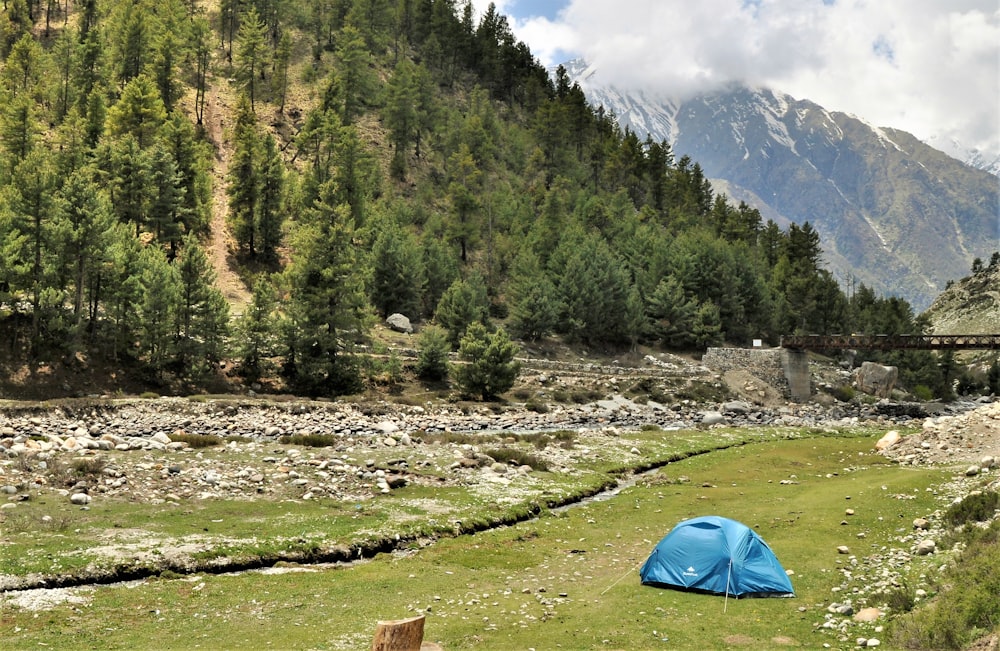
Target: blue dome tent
[716,555]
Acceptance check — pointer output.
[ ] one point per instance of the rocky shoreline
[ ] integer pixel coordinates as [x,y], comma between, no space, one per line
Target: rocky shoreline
[129,437]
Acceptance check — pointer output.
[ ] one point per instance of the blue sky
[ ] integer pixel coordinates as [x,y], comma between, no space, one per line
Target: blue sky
[524,9]
[930,67]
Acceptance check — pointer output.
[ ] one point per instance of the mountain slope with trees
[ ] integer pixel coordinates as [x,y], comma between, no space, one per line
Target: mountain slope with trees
[365,157]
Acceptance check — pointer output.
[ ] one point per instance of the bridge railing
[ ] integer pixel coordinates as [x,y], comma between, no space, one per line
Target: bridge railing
[891,342]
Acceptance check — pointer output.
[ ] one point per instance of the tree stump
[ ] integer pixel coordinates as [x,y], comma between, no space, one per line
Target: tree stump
[399,635]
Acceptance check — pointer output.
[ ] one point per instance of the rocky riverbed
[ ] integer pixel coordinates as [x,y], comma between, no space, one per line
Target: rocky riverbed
[141,451]
[146,453]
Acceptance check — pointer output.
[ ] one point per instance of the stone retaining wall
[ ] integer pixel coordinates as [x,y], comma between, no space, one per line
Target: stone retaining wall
[763,363]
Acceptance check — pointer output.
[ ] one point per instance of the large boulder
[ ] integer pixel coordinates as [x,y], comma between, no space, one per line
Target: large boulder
[399,323]
[875,379]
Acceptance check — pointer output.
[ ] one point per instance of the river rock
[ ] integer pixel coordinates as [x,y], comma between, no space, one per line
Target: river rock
[712,418]
[891,438]
[867,615]
[80,499]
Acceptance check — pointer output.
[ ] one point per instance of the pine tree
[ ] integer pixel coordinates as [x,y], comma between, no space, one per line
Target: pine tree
[166,202]
[671,314]
[130,31]
[536,308]
[139,112]
[257,332]
[463,193]
[244,179]
[279,79]
[270,217]
[191,157]
[129,181]
[34,204]
[200,34]
[401,114]
[398,279]
[328,308]
[164,66]
[490,367]
[355,173]
[82,232]
[201,311]
[594,288]
[441,270]
[706,327]
[123,281]
[25,69]
[251,52]
[158,311]
[355,82]
[432,354]
[464,303]
[19,129]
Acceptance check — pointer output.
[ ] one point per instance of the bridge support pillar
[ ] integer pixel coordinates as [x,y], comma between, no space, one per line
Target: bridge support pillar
[796,366]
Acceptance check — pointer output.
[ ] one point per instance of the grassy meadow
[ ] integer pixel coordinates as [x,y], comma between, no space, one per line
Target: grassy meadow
[567,579]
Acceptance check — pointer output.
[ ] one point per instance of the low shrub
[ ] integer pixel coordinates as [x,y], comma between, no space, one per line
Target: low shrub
[196,440]
[309,440]
[899,599]
[458,438]
[967,607]
[843,393]
[537,407]
[517,457]
[88,466]
[976,507]
[583,396]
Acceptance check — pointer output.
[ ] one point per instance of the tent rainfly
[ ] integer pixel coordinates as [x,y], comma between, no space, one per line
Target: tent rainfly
[716,555]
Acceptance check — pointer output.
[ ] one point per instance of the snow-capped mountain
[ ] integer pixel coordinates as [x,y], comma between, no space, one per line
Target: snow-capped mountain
[891,211]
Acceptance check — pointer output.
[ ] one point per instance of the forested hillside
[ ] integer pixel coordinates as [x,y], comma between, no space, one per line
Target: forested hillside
[349,159]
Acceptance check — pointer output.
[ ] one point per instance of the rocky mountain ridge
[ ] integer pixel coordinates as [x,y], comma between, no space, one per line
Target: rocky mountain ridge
[892,212]
[970,305]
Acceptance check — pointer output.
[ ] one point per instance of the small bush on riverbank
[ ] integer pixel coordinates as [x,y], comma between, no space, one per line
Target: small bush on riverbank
[196,441]
[967,607]
[977,507]
[513,456]
[309,440]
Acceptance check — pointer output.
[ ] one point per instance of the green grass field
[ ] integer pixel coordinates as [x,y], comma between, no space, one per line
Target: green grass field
[565,580]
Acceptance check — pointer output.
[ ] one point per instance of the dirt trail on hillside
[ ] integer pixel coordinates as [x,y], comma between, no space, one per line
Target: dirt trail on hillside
[218,111]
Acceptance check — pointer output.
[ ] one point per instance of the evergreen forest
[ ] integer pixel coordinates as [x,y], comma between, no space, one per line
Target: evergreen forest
[184,182]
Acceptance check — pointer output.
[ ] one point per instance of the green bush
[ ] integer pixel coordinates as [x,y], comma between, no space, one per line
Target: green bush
[88,466]
[967,607]
[537,407]
[432,358]
[976,507]
[899,599]
[309,440]
[843,393]
[517,457]
[490,367]
[196,440]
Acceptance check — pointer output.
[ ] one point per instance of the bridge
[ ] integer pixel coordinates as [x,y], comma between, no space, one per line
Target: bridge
[795,360]
[891,342]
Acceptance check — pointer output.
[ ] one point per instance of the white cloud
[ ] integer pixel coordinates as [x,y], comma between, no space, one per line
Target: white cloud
[926,66]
